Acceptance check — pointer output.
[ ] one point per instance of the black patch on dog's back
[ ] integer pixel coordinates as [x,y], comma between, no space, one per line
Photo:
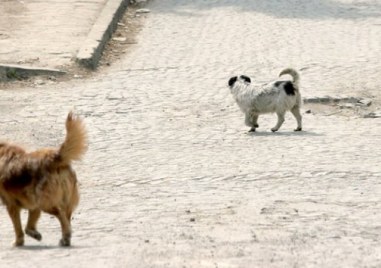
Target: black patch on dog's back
[288,86]
[278,83]
[246,78]
[232,81]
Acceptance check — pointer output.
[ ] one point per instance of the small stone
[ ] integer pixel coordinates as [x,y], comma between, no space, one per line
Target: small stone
[347,106]
[143,10]
[263,210]
[192,219]
[310,100]
[349,99]
[336,99]
[376,114]
[324,99]
[308,111]
[39,82]
[364,102]
[120,39]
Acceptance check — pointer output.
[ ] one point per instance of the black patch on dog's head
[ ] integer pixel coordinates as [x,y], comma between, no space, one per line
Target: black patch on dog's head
[245,78]
[288,86]
[232,81]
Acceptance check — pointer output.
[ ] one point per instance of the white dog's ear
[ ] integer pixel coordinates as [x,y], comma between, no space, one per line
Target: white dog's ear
[232,81]
[245,78]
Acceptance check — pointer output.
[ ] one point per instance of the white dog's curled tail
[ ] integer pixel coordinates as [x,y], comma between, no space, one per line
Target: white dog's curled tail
[293,73]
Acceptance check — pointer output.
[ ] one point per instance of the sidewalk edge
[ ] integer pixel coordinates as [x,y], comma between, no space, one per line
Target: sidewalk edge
[91,51]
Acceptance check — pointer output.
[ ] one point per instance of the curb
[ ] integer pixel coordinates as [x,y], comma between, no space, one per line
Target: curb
[14,71]
[91,51]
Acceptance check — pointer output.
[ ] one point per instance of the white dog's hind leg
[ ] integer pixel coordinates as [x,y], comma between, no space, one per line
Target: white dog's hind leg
[280,121]
[296,112]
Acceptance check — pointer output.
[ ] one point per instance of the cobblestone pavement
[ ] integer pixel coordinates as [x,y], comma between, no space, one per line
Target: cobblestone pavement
[173,179]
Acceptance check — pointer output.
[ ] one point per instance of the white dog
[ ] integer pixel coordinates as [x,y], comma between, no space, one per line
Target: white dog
[278,97]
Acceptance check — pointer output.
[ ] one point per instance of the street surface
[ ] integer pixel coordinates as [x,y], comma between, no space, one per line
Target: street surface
[173,179]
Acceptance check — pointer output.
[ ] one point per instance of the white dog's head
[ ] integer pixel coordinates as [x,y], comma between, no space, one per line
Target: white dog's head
[237,83]
[240,79]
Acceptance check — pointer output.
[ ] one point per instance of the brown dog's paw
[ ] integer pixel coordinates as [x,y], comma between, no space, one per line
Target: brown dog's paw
[19,242]
[65,242]
[34,234]
[298,129]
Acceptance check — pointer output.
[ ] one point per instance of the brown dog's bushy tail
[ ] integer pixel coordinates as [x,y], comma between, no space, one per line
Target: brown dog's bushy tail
[293,73]
[75,144]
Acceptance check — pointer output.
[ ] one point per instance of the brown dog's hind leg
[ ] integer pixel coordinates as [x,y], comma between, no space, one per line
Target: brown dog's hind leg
[14,213]
[66,230]
[31,228]
[61,215]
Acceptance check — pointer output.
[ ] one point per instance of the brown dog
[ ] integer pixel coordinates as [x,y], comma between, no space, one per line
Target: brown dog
[42,180]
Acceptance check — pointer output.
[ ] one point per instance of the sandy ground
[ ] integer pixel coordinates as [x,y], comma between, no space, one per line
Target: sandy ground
[173,179]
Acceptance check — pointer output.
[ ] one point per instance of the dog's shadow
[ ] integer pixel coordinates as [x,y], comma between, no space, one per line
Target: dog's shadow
[47,247]
[284,134]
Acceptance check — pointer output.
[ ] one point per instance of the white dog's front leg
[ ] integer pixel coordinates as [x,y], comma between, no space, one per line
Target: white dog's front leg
[255,120]
[251,121]
[279,123]
[247,120]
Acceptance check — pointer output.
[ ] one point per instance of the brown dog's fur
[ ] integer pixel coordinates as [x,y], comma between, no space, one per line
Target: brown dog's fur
[42,180]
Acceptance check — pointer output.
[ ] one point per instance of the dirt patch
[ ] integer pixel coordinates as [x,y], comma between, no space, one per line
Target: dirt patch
[345,109]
